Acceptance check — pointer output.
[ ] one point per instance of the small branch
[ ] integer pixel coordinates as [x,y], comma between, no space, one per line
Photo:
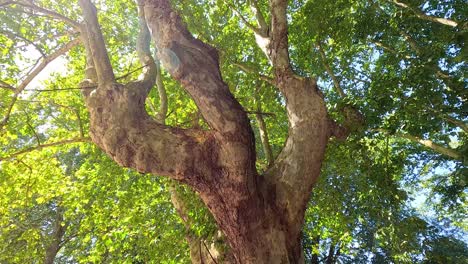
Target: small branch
[47,145]
[246,22]
[46,60]
[264,138]
[459,123]
[48,12]
[422,15]
[427,143]
[28,119]
[75,111]
[336,82]
[143,47]
[12,35]
[6,86]
[262,24]
[248,69]
[260,113]
[163,102]
[439,73]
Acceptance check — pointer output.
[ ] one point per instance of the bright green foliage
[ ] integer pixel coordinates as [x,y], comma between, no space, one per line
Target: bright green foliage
[405,74]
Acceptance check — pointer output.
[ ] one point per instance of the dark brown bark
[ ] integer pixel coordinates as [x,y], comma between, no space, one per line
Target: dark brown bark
[331,254]
[202,250]
[57,235]
[260,215]
[315,248]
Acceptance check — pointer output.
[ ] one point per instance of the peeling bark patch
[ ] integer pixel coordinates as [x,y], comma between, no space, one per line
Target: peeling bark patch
[170,60]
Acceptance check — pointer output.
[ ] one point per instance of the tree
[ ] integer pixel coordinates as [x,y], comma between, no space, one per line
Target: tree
[259,211]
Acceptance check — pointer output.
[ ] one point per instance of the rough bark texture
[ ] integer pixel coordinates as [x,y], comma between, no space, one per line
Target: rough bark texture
[260,215]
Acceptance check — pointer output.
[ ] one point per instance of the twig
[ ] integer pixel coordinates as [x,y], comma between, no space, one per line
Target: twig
[42,146]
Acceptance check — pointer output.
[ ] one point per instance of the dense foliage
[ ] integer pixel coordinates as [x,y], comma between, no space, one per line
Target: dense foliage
[393,192]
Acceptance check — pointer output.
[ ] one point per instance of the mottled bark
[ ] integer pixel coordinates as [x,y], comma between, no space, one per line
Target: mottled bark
[260,215]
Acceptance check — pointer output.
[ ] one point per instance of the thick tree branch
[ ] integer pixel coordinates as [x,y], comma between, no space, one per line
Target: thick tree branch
[278,48]
[46,145]
[45,61]
[422,15]
[297,167]
[120,125]
[180,53]
[105,74]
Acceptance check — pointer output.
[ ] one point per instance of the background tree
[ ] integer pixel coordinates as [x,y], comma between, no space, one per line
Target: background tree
[390,72]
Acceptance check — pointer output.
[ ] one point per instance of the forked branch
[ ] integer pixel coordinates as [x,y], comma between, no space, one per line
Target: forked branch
[181,53]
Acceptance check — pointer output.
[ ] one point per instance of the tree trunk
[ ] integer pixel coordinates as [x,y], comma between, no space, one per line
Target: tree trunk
[316,250]
[261,216]
[57,235]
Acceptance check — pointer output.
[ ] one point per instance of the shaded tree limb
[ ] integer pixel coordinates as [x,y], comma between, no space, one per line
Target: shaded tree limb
[461,124]
[163,101]
[278,48]
[336,82]
[263,131]
[143,49]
